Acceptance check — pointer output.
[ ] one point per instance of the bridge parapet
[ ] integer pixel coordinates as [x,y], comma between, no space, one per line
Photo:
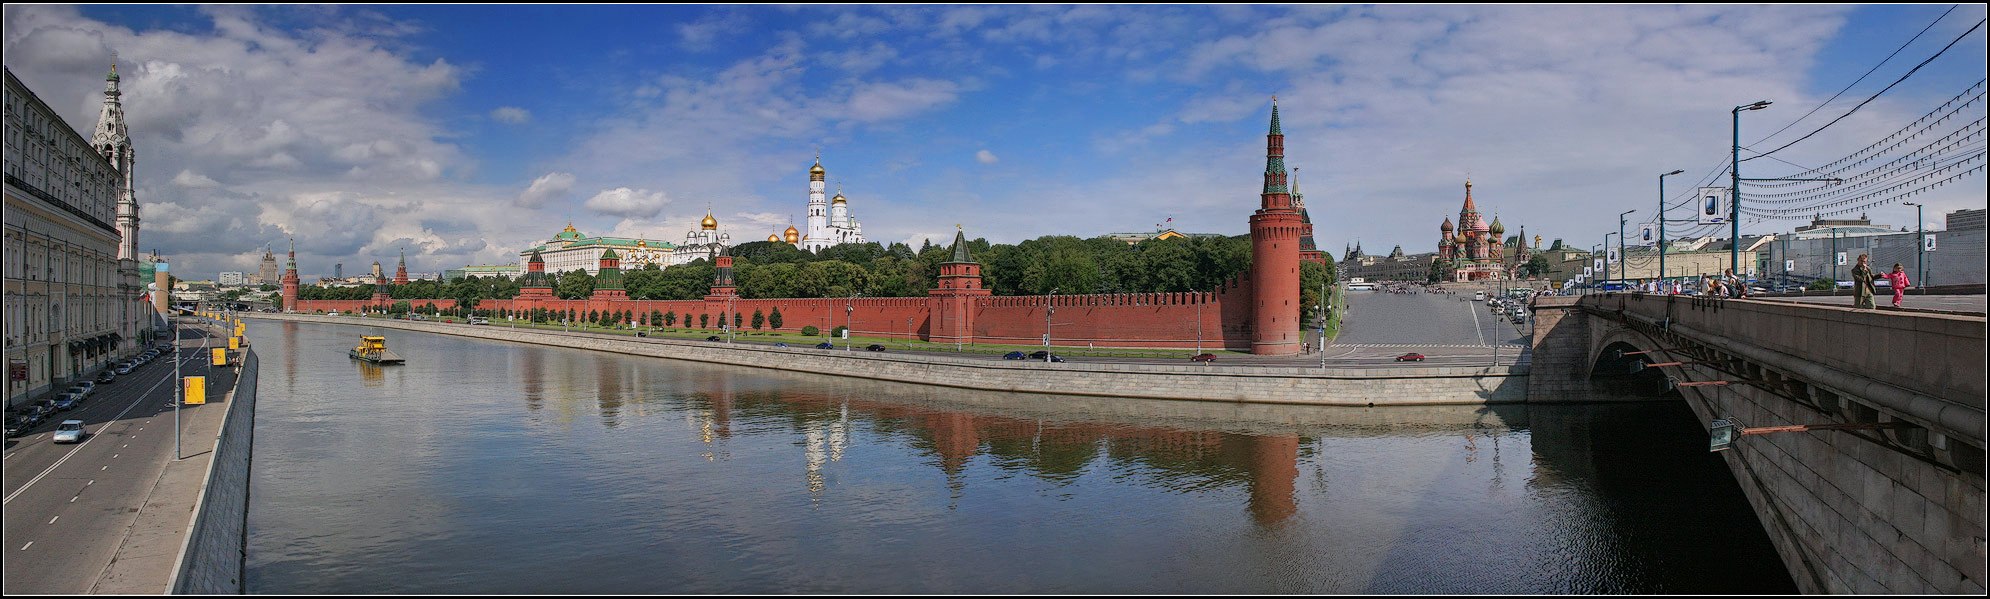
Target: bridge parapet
[1921,366]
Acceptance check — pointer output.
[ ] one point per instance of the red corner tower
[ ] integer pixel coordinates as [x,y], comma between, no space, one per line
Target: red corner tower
[401,270]
[290,280]
[951,305]
[1275,231]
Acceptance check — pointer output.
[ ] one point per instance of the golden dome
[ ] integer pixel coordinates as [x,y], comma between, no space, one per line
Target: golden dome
[773,238]
[839,199]
[792,235]
[817,169]
[709,223]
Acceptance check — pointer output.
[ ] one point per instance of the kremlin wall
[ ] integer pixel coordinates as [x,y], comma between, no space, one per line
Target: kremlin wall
[1256,312]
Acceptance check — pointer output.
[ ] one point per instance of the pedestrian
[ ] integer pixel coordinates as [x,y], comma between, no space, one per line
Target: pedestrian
[1862,283]
[1898,279]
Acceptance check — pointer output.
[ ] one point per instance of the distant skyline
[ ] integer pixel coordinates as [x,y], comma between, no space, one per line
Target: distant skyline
[468,133]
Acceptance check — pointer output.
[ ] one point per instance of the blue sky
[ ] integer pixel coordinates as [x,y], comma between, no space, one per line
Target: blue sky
[465,133]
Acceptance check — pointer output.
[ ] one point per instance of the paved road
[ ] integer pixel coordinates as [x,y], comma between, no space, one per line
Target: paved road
[68,507]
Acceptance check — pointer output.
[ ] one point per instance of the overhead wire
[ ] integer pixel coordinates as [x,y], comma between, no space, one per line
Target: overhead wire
[1876,95]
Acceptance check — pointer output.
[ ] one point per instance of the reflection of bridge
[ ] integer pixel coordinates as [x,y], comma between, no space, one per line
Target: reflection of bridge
[1895,510]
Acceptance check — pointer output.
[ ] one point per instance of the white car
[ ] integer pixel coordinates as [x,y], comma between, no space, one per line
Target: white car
[70,431]
[332,313]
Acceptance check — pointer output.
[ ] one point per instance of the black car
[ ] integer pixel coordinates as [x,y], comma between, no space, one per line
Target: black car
[641,334]
[712,338]
[781,344]
[873,347]
[825,345]
[1039,355]
[17,427]
[1056,358]
[1014,355]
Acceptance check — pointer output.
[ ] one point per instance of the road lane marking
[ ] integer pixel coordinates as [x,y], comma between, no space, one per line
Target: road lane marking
[106,467]
[78,447]
[52,520]
[25,547]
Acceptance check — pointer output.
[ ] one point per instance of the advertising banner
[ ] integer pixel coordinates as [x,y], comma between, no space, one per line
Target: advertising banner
[1712,205]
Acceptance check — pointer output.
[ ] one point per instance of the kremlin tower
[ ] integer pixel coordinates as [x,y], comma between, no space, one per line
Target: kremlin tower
[1275,233]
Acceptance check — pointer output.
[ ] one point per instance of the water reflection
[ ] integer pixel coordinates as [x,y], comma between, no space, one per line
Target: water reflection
[525,469]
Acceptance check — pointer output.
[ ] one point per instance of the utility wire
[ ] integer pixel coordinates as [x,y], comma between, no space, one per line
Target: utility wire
[1855,82]
[1876,95]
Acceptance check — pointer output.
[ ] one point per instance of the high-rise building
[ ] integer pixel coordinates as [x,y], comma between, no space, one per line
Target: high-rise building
[267,275]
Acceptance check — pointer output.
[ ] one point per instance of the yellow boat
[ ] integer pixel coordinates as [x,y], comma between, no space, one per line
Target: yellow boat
[374,349]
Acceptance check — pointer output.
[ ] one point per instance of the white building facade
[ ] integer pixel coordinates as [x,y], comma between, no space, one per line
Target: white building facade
[572,250]
[72,297]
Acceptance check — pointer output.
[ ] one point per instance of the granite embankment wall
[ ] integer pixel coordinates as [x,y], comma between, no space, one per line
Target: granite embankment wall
[1186,381]
[212,560]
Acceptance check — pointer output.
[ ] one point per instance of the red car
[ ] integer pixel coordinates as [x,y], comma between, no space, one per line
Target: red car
[1410,357]
[1203,358]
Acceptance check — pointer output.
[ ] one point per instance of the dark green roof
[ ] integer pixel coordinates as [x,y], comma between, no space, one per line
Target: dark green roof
[960,247]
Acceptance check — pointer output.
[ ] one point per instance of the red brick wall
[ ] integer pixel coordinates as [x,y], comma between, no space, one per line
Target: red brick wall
[309,306]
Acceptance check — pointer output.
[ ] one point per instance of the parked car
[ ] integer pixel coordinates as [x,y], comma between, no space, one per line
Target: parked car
[17,427]
[83,389]
[479,321]
[1056,358]
[332,313]
[1039,354]
[873,347]
[712,338]
[1014,355]
[780,344]
[70,431]
[125,368]
[1410,357]
[67,401]
[44,408]
[31,418]
[825,345]
[1203,358]
[642,334]
[109,374]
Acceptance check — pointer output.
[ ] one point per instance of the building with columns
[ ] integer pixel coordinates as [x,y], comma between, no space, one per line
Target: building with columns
[571,250]
[829,222]
[72,296]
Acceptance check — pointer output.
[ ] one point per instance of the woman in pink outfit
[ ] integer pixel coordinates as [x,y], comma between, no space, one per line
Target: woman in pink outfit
[1898,278]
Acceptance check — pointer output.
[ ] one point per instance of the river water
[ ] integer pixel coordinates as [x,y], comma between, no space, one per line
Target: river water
[488,467]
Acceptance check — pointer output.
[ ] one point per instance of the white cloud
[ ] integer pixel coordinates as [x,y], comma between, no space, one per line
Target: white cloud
[628,203]
[511,114]
[986,157]
[885,101]
[546,187]
[193,180]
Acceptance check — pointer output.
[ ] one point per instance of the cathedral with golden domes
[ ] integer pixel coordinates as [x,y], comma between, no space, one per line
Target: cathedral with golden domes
[829,221]
[706,242]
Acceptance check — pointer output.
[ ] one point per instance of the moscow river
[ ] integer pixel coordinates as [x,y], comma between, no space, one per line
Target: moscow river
[486,467]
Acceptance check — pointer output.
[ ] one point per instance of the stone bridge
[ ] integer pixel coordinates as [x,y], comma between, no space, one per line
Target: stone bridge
[1898,508]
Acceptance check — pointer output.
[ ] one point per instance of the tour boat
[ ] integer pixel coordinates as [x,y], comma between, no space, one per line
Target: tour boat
[374,349]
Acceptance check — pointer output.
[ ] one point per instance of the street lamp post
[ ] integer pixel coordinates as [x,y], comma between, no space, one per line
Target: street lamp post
[849,316]
[1621,275]
[1048,310]
[1734,185]
[1661,221]
[1606,256]
[1920,245]
[1834,258]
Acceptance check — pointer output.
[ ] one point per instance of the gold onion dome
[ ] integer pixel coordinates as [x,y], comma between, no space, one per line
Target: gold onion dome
[839,199]
[792,235]
[817,169]
[709,223]
[773,238]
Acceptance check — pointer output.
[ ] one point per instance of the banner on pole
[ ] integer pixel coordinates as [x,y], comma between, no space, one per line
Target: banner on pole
[1612,255]
[1713,205]
[1928,242]
[1588,272]
[1646,235]
[1789,265]
[220,357]
[196,391]
[1841,258]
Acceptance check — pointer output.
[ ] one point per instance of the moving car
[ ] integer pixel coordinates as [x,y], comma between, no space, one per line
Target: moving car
[1203,358]
[1410,357]
[1014,355]
[780,344]
[873,347]
[825,345]
[70,431]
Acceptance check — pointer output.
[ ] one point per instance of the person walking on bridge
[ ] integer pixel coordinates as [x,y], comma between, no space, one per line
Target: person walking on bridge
[1862,283]
[1898,279]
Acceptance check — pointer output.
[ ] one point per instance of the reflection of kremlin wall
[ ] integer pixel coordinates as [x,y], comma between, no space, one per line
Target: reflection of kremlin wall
[1256,311]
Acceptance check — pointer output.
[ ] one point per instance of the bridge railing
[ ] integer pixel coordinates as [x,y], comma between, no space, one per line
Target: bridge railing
[1929,356]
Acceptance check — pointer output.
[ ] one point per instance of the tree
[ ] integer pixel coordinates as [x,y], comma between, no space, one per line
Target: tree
[593,317]
[574,284]
[758,319]
[704,321]
[670,318]
[738,320]
[774,320]
[400,307]
[656,317]
[1536,266]
[838,331]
